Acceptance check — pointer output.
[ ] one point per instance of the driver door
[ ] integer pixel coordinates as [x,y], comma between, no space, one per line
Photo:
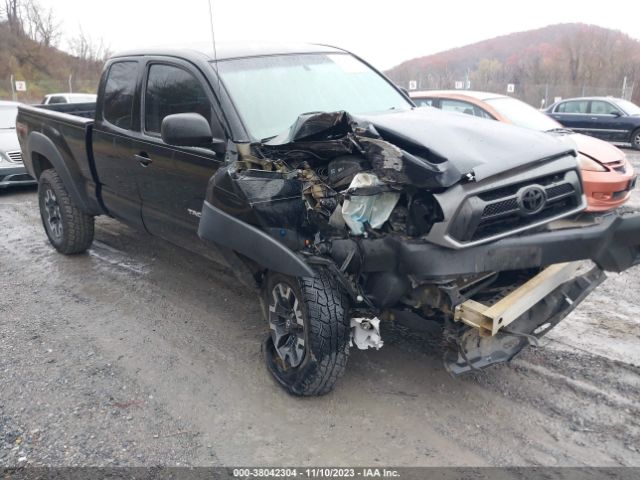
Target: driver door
[173,180]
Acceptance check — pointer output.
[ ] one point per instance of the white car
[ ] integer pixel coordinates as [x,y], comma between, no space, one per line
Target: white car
[12,171]
[57,98]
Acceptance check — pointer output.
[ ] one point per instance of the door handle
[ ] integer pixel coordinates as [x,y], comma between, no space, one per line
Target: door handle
[143,159]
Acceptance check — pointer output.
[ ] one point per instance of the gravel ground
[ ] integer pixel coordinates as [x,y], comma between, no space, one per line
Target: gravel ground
[142,354]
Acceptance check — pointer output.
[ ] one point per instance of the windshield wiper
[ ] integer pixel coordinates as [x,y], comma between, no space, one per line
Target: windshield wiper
[559,130]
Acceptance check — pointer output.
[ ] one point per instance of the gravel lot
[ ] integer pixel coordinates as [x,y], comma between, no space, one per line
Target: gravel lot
[142,354]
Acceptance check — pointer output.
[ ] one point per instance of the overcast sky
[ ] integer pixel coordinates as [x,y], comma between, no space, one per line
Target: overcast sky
[383,32]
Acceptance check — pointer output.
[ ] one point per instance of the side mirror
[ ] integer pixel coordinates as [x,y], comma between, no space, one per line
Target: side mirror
[189,130]
[615,113]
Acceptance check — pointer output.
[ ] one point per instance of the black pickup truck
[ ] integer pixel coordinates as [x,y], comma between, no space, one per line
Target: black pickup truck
[325,190]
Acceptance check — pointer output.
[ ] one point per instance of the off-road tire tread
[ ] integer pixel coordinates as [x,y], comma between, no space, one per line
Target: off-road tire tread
[327,306]
[78,226]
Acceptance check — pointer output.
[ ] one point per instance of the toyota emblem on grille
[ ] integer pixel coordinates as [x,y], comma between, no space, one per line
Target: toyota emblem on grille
[532,200]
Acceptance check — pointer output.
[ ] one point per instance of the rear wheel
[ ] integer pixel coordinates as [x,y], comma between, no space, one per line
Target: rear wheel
[68,228]
[308,343]
[635,139]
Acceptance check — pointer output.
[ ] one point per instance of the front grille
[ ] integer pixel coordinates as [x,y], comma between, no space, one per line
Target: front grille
[499,208]
[499,211]
[559,190]
[15,156]
[498,226]
[514,188]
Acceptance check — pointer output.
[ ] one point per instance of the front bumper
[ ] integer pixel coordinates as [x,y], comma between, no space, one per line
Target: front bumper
[15,175]
[475,348]
[608,190]
[612,241]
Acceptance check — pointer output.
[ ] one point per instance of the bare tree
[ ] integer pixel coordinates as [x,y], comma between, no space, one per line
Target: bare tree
[88,49]
[40,24]
[12,11]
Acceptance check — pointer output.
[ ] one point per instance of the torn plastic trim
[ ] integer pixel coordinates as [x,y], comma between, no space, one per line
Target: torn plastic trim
[223,229]
[474,351]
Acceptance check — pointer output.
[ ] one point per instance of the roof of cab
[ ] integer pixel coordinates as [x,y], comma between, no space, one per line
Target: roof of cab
[227,51]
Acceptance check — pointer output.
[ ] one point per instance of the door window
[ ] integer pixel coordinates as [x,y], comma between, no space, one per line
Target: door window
[463,107]
[599,107]
[580,106]
[172,90]
[118,94]
[57,99]
[423,102]
[456,106]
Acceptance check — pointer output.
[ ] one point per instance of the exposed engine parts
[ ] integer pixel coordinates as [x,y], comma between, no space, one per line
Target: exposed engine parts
[361,202]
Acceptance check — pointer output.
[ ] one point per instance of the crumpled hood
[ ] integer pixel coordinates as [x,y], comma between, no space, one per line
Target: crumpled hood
[597,149]
[469,144]
[424,147]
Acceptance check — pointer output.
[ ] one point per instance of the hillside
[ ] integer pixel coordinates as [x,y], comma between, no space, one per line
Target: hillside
[45,69]
[565,59]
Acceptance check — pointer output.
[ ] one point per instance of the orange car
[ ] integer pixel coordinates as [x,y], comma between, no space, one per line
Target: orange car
[607,175]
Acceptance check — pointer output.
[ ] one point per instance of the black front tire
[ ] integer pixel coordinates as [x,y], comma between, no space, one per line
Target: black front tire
[635,139]
[69,229]
[321,325]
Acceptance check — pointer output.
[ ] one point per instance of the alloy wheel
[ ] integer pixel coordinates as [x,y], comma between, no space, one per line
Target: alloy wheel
[53,215]
[287,325]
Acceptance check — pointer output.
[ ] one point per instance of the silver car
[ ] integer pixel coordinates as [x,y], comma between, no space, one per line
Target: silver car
[12,171]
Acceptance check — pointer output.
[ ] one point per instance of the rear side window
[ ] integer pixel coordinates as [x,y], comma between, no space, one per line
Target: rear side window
[423,102]
[172,90]
[458,106]
[56,100]
[118,94]
[603,108]
[573,107]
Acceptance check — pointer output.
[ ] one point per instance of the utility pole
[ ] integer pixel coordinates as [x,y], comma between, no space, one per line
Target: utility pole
[70,85]
[14,95]
[624,87]
[546,94]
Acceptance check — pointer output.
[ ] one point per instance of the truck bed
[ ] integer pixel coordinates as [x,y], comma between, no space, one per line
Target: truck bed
[85,110]
[64,131]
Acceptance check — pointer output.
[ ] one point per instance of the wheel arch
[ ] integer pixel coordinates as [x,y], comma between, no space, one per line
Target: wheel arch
[227,231]
[44,155]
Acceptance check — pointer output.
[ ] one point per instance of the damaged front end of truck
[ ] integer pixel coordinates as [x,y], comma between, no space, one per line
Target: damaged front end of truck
[444,217]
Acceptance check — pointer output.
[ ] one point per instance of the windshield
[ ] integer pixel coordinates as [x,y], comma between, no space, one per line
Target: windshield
[522,114]
[8,117]
[628,107]
[271,92]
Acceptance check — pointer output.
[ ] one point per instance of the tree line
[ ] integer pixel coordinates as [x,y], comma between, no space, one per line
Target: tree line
[573,58]
[30,35]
